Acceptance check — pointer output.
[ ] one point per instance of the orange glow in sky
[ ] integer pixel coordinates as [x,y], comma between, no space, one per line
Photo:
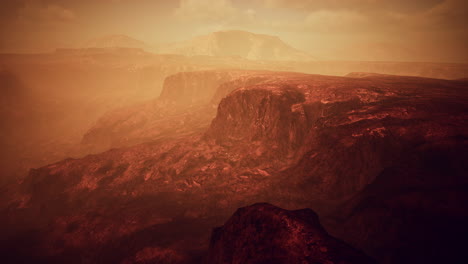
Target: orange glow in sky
[383,30]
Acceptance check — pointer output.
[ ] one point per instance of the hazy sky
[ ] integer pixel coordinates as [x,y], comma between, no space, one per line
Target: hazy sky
[411,30]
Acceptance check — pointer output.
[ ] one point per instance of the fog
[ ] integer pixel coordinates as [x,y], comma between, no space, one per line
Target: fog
[130,129]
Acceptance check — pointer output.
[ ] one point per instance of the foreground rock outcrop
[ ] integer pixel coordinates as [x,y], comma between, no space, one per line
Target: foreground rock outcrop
[263,233]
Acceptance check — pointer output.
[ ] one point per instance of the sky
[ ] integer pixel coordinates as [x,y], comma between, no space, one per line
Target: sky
[382,30]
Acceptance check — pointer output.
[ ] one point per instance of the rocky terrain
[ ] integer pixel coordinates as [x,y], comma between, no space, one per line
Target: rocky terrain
[370,153]
[51,100]
[263,233]
[75,92]
[187,105]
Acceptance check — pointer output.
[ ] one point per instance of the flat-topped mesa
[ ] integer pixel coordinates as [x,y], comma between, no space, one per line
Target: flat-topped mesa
[242,44]
[183,108]
[275,109]
[249,79]
[263,233]
[269,113]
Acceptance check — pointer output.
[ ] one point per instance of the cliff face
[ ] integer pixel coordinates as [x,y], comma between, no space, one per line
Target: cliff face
[336,121]
[295,140]
[165,116]
[188,88]
[263,233]
[271,115]
[187,105]
[184,107]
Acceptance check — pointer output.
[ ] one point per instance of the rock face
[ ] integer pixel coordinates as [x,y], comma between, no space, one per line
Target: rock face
[271,115]
[192,88]
[295,140]
[263,233]
[240,43]
[184,107]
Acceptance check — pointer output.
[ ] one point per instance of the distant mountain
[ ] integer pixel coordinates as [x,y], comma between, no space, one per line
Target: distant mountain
[115,41]
[240,44]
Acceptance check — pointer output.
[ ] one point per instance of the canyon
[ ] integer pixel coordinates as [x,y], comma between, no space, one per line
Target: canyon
[379,157]
[65,96]
[233,132]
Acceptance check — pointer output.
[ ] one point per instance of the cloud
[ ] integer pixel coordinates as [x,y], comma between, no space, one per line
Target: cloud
[363,5]
[206,16]
[334,21]
[206,10]
[450,14]
[48,13]
[378,16]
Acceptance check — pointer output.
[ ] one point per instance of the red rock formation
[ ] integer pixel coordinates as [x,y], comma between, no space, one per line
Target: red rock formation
[184,107]
[295,140]
[263,233]
[73,88]
[189,88]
